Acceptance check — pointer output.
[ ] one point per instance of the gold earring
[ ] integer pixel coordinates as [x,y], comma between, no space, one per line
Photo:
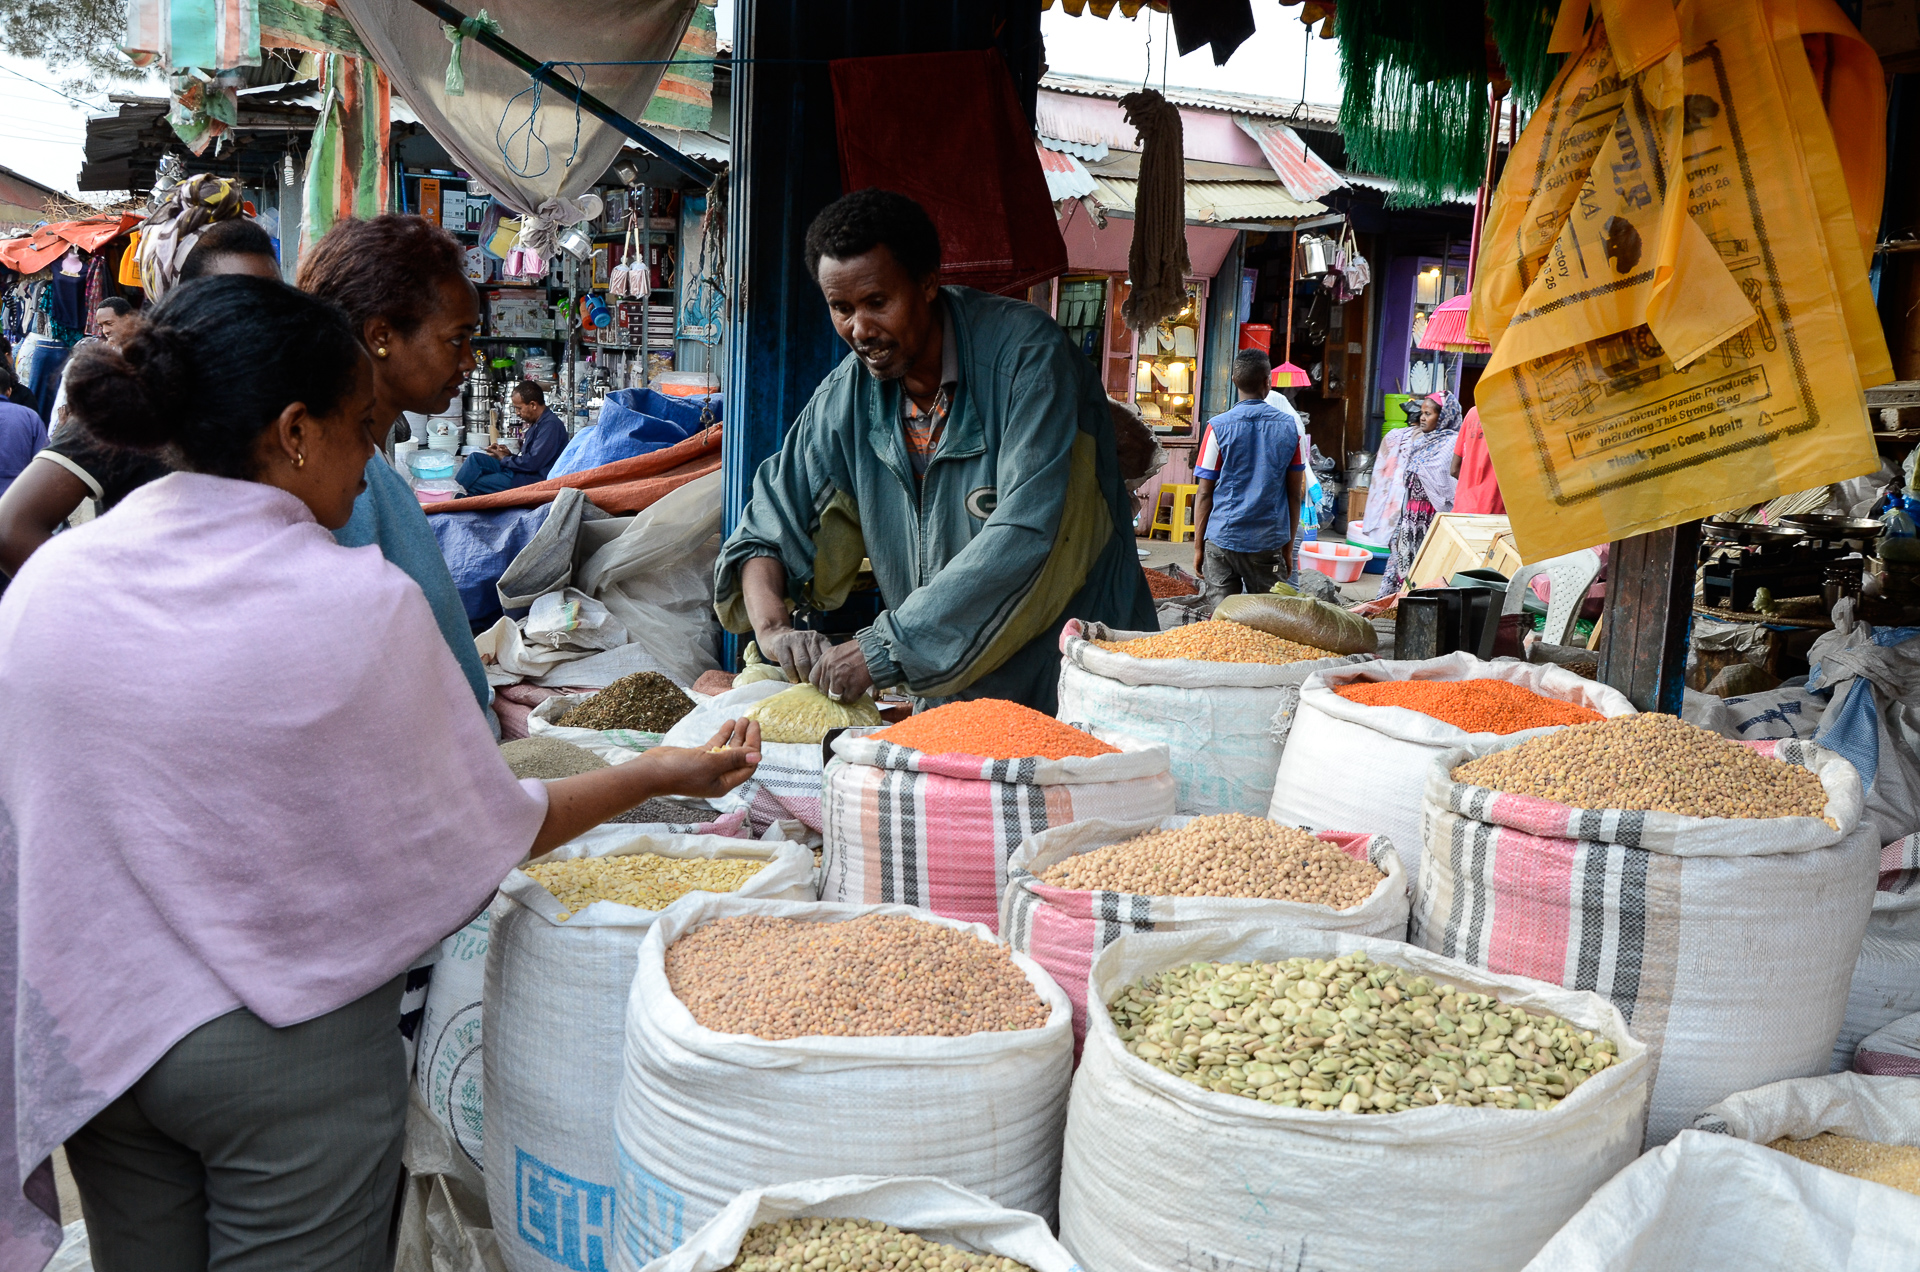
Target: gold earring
[381,352]
[299,459]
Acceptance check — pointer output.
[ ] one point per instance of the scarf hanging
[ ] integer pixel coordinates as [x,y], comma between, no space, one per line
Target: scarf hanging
[347,164]
[1414,106]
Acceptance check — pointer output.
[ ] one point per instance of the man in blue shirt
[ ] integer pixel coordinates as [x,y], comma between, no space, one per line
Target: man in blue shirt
[1251,480]
[496,468]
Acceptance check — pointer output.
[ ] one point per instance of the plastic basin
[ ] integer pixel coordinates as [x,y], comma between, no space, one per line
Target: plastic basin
[1340,562]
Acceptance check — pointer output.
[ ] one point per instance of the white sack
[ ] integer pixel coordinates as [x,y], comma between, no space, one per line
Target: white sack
[615,746]
[928,1207]
[1869,719]
[1886,977]
[1355,767]
[1787,712]
[1224,724]
[555,1005]
[1717,1197]
[705,1116]
[787,783]
[446,1075]
[1159,1174]
[1893,1049]
[657,578]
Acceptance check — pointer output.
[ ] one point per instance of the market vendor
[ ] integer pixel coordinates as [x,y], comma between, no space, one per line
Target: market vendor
[498,468]
[964,446]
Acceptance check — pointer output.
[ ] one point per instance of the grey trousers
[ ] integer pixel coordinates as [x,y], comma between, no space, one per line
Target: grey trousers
[1224,573]
[253,1149]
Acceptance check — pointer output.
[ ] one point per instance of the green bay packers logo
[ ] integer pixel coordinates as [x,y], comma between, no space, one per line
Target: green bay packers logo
[982,501]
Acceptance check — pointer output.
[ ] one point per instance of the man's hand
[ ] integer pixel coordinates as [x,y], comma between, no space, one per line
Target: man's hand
[499,450]
[842,673]
[727,760]
[1200,559]
[797,652]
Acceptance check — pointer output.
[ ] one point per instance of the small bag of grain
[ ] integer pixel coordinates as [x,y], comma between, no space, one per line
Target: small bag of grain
[1716,891]
[771,1042]
[1218,694]
[1805,1173]
[1073,890]
[1365,736]
[928,812]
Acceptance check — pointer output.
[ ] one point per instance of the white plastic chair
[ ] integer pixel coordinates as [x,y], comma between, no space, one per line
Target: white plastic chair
[1571,575]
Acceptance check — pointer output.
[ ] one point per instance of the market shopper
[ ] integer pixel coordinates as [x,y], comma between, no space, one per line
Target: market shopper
[1412,483]
[498,468]
[22,432]
[1252,485]
[1478,486]
[238,246]
[963,446]
[237,810]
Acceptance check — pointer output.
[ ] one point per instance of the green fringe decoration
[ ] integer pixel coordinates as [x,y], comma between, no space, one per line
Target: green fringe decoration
[1521,29]
[1414,102]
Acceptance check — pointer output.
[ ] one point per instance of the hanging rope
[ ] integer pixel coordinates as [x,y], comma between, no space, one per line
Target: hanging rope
[1157,260]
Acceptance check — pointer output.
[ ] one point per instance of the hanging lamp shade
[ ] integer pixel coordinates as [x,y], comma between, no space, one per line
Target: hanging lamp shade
[1288,376]
[1447,329]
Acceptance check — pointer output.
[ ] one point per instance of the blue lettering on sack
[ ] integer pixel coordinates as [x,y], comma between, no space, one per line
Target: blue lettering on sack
[651,1213]
[568,1220]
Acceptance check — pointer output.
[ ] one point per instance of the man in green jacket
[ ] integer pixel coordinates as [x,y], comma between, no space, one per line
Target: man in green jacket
[964,446]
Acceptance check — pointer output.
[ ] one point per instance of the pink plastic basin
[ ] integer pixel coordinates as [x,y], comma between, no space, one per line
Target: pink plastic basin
[1340,562]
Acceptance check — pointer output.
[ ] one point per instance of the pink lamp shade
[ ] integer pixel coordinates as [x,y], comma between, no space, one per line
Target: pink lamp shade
[1447,329]
[1288,376]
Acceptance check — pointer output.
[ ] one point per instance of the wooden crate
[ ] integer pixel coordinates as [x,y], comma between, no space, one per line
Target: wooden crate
[1463,541]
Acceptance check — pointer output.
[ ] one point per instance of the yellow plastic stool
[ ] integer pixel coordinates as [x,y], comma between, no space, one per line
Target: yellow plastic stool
[1175,517]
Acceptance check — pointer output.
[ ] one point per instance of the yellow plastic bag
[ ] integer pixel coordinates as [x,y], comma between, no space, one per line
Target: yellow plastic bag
[1692,326]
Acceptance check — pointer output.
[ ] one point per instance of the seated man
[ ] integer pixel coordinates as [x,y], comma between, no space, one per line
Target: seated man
[496,468]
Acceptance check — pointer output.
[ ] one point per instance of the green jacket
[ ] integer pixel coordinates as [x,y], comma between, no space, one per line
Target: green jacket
[1021,525]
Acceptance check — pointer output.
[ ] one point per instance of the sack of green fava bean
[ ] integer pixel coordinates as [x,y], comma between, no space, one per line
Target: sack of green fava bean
[1160,1172]
[1303,620]
[1727,941]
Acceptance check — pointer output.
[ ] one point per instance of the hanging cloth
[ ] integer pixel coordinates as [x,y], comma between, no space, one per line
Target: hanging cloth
[347,169]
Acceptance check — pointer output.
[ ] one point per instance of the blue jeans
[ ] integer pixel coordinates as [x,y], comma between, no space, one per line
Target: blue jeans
[482,474]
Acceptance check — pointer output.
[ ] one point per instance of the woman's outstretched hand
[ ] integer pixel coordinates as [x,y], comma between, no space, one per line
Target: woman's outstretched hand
[727,760]
[577,804]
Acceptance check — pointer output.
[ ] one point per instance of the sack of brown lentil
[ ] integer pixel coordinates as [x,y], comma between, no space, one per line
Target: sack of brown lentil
[771,1042]
[1886,976]
[1228,868]
[855,1213]
[936,830]
[1806,1173]
[1893,1050]
[1162,1172]
[1360,766]
[1726,938]
[1224,724]
[560,960]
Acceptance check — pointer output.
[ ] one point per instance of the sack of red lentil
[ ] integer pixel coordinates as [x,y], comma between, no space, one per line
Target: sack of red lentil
[935,829]
[1886,976]
[771,1096]
[557,980]
[1225,724]
[1160,1172]
[1364,767]
[1718,1196]
[1063,926]
[1727,942]
[931,1209]
[1893,1050]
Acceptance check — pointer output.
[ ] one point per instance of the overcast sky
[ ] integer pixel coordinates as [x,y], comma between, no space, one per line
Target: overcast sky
[42,132]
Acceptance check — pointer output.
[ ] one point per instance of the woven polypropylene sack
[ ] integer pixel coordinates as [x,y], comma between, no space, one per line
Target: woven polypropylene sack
[704,1115]
[1063,928]
[1160,1174]
[1717,1197]
[556,1003]
[929,1207]
[936,830]
[1224,724]
[1727,944]
[1893,1051]
[1357,767]
[1886,976]
[446,1073]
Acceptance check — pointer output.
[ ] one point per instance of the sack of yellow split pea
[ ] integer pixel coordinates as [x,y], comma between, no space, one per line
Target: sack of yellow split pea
[1673,271]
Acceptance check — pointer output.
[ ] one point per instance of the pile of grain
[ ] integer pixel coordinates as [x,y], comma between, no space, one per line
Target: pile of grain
[645,702]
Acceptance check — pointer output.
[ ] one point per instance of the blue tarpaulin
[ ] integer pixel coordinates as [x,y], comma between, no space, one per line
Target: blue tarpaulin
[479,546]
[636,422]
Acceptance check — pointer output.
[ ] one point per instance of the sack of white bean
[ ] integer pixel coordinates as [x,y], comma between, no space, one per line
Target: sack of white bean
[1352,766]
[1224,723]
[559,969]
[1728,1193]
[1063,921]
[1893,1050]
[769,1042]
[1715,891]
[1886,976]
[1161,1172]
[936,830]
[934,1210]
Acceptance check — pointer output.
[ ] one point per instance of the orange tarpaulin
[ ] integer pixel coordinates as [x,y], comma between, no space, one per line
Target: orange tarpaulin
[627,485]
[36,251]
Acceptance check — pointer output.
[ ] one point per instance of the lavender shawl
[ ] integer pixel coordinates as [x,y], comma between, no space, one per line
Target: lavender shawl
[1410,451]
[238,767]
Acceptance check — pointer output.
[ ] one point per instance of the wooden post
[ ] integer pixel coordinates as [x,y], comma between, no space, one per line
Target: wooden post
[1643,648]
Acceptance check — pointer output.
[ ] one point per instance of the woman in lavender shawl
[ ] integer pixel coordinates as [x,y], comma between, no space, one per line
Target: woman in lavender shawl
[1412,483]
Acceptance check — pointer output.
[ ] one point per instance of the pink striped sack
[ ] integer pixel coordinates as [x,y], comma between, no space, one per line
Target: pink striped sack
[936,831]
[1727,944]
[1892,1051]
[1062,929]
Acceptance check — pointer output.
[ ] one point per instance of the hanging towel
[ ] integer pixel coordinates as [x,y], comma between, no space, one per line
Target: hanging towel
[946,130]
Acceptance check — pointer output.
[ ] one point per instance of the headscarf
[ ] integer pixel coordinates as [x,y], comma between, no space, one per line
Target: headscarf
[1412,451]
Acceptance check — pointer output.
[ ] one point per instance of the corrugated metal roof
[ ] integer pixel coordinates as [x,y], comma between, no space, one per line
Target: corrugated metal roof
[1067,177]
[1305,174]
[1297,113]
[1091,152]
[1216,202]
